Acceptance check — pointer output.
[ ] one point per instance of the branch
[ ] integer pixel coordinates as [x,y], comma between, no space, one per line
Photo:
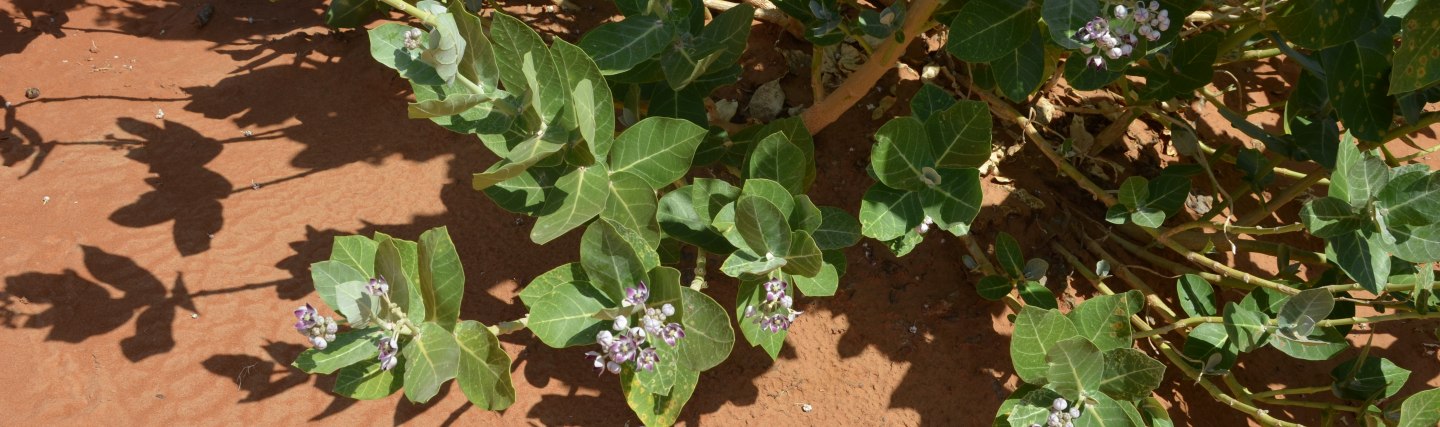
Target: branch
[860,82]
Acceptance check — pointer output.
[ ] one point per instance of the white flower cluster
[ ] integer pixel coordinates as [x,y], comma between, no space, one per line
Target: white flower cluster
[1062,414]
[1116,38]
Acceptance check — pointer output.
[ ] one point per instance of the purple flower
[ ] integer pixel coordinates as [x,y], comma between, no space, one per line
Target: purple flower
[1096,62]
[389,347]
[623,348]
[305,317]
[647,359]
[636,295]
[320,330]
[672,333]
[378,287]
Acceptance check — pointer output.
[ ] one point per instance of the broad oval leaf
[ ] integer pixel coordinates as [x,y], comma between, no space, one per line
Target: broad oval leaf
[577,197]
[837,229]
[888,214]
[1130,374]
[708,336]
[1416,64]
[657,150]
[431,358]
[1197,296]
[484,374]
[610,262]
[591,102]
[1375,378]
[348,348]
[992,29]
[366,381]
[1319,24]
[1105,320]
[902,151]
[776,159]
[1075,366]
[562,305]
[960,135]
[620,46]
[442,278]
[955,200]
[1035,331]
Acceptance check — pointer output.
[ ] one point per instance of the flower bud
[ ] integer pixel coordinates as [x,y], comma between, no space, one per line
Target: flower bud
[668,310]
[1120,12]
[1060,404]
[621,323]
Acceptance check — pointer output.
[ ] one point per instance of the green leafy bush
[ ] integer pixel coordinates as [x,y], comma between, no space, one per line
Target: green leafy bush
[603,135]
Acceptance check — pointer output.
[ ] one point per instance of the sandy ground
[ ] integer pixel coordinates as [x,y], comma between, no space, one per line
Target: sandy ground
[164,196]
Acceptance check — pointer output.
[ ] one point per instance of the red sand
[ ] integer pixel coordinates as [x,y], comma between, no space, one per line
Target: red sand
[148,282]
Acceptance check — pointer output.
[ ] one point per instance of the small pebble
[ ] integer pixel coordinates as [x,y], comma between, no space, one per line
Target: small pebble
[45,200]
[32,93]
[247,133]
[806,407]
[194,315]
[159,113]
[254,185]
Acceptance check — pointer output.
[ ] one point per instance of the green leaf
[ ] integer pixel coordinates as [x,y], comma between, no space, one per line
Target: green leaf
[577,197]
[1154,413]
[929,100]
[1107,412]
[804,257]
[901,153]
[525,193]
[728,31]
[1075,366]
[631,204]
[1085,77]
[1130,374]
[1314,304]
[1413,201]
[762,226]
[752,294]
[955,200]
[661,379]
[442,276]
[444,47]
[1020,72]
[355,251]
[1035,331]
[1134,192]
[329,275]
[994,288]
[1105,320]
[610,262]
[525,64]
[533,150]
[1032,408]
[1356,75]
[449,106]
[431,359]
[684,220]
[591,102]
[657,149]
[484,374]
[396,260]
[1375,378]
[350,13]
[478,61]
[387,46]
[776,159]
[837,230]
[1007,253]
[1363,257]
[620,46]
[657,409]
[1246,327]
[1321,344]
[1036,294]
[1167,193]
[348,348]
[806,216]
[1065,17]
[1416,64]
[1419,244]
[1197,296]
[1017,401]
[708,337]
[366,381]
[887,214]
[359,307]
[772,192]
[1421,409]
[1209,348]
[1329,217]
[1191,67]
[1320,24]
[827,280]
[562,305]
[743,262]
[960,135]
[992,29]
